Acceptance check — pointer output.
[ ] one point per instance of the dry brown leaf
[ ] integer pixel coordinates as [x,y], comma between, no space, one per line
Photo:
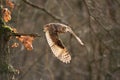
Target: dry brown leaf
[15,45]
[6,14]
[26,41]
[28,45]
[10,4]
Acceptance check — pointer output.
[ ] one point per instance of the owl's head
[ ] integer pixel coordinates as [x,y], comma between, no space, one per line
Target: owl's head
[56,27]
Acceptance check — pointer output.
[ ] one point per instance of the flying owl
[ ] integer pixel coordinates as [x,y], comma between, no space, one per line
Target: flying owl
[51,32]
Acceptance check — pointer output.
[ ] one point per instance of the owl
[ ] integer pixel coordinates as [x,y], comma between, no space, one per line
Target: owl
[52,30]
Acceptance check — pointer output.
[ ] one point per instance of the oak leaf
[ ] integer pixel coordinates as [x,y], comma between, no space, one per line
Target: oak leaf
[26,41]
[10,4]
[6,14]
[15,45]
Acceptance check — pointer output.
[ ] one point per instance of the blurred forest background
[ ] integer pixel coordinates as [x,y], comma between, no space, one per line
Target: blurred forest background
[96,22]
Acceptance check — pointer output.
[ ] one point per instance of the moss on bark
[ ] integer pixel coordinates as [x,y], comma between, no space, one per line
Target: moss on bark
[6,70]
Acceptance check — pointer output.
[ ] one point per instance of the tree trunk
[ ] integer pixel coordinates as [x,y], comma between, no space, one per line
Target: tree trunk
[6,70]
[4,58]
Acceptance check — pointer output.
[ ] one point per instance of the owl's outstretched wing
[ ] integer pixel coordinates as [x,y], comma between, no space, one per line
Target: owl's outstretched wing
[57,47]
[77,38]
[51,32]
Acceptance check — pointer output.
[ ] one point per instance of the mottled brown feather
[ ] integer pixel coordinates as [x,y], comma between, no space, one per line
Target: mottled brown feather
[51,31]
[55,43]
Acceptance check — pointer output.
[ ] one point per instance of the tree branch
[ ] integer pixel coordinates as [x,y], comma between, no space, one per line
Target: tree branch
[89,22]
[117,42]
[90,26]
[25,34]
[30,67]
[44,10]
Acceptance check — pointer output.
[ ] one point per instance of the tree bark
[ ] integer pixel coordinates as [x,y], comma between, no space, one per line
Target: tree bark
[6,70]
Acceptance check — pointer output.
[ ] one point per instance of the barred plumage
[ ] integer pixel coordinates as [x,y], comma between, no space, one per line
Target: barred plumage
[56,45]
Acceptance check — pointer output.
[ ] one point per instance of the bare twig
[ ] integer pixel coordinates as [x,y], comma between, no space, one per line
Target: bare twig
[97,37]
[44,10]
[106,30]
[24,34]
[30,67]
[90,16]
[90,26]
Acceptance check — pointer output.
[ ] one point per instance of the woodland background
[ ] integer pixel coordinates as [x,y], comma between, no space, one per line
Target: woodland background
[96,22]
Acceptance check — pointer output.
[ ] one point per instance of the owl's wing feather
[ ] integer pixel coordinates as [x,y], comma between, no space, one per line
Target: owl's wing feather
[68,29]
[57,47]
[78,39]
[54,37]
